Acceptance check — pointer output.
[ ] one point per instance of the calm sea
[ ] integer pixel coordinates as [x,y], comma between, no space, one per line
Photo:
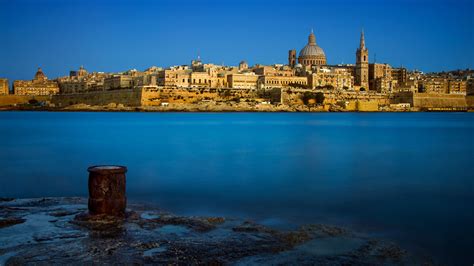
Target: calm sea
[408,177]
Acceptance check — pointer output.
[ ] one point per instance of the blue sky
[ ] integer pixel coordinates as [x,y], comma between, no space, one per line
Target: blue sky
[61,35]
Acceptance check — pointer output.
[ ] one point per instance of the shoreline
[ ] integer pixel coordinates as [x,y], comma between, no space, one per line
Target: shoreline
[93,109]
[41,230]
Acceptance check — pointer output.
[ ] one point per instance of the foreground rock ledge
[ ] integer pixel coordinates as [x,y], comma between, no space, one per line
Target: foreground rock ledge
[55,230]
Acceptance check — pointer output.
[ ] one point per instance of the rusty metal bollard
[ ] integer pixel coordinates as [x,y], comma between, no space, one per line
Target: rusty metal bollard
[107,190]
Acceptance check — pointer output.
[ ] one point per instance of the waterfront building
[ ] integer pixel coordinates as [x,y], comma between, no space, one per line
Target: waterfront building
[4,88]
[362,65]
[433,84]
[199,75]
[400,75]
[265,82]
[80,81]
[457,86]
[40,85]
[276,70]
[145,80]
[242,80]
[116,82]
[380,78]
[470,85]
[331,79]
[152,70]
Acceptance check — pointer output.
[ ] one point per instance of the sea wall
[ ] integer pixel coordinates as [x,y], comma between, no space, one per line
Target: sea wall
[348,101]
[426,100]
[470,101]
[8,100]
[157,96]
[127,97]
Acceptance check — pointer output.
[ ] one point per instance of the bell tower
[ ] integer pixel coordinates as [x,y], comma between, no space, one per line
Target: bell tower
[362,64]
[292,58]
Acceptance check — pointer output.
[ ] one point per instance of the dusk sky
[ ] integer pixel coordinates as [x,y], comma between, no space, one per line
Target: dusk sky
[111,36]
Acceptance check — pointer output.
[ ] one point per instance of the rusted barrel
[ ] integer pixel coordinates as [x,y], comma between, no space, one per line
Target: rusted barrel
[107,190]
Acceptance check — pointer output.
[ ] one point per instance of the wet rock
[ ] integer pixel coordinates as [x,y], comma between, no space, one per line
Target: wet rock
[251,227]
[196,224]
[215,220]
[294,238]
[6,199]
[53,234]
[64,213]
[100,225]
[10,221]
[322,230]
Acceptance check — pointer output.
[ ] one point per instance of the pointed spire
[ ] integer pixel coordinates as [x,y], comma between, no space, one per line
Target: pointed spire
[362,40]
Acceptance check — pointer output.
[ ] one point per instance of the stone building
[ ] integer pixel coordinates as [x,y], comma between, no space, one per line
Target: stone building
[116,82]
[276,70]
[242,81]
[380,78]
[457,86]
[434,85]
[40,85]
[331,78]
[470,85]
[174,76]
[243,65]
[79,73]
[4,88]
[400,75]
[362,65]
[202,76]
[282,82]
[311,54]
[81,81]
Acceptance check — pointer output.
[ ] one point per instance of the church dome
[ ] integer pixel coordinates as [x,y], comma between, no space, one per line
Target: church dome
[311,50]
[312,54]
[40,76]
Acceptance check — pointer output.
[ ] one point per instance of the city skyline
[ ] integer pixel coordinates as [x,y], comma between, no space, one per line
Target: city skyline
[93,34]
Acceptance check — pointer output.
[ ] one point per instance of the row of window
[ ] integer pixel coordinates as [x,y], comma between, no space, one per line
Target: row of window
[285,82]
[313,62]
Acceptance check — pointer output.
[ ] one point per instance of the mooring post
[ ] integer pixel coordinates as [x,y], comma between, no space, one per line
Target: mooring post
[107,190]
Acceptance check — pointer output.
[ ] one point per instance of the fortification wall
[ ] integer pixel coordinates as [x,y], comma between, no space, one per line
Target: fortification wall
[7,100]
[156,96]
[353,101]
[128,97]
[426,100]
[470,101]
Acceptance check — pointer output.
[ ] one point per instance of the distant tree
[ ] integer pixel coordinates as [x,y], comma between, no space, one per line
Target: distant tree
[33,101]
[307,95]
[329,87]
[319,97]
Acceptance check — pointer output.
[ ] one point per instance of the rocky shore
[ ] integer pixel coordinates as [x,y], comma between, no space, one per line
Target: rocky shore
[202,107]
[59,231]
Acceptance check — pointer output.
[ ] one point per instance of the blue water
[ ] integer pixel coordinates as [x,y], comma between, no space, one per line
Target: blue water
[402,176]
